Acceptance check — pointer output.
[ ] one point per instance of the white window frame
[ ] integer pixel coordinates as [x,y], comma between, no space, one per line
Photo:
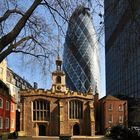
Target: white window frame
[7,123]
[1,103]
[12,123]
[1,70]
[120,107]
[7,105]
[12,107]
[110,121]
[121,119]
[110,108]
[1,125]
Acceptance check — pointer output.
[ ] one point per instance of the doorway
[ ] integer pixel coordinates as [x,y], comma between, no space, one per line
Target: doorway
[76,129]
[42,130]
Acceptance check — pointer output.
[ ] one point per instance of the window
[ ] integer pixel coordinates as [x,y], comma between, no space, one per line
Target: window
[15,90]
[7,105]
[41,110]
[8,76]
[12,123]
[23,86]
[110,107]
[1,70]
[120,108]
[1,103]
[12,107]
[17,83]
[58,79]
[13,81]
[8,73]
[75,109]
[110,118]
[7,123]
[121,119]
[1,123]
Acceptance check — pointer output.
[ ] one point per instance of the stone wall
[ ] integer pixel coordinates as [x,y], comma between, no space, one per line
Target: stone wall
[59,122]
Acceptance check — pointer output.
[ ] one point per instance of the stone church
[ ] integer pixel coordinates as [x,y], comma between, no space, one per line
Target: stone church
[58,111]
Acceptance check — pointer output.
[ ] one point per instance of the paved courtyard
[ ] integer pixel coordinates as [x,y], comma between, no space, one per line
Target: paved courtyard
[57,138]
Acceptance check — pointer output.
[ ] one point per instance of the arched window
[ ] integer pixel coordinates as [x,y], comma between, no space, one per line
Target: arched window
[75,109]
[41,110]
[58,79]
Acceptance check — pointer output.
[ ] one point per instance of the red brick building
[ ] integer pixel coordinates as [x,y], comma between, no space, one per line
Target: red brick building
[7,110]
[12,115]
[110,111]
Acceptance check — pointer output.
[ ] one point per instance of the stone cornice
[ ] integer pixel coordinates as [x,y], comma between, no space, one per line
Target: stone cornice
[60,95]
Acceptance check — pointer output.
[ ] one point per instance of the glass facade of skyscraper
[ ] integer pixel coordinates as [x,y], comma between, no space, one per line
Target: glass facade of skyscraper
[122,33]
[122,46]
[81,56]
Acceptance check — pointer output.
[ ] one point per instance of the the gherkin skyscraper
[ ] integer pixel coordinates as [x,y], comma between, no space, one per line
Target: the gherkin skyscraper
[81,56]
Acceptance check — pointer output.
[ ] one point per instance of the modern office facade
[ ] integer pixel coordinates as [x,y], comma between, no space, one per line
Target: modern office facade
[81,56]
[122,50]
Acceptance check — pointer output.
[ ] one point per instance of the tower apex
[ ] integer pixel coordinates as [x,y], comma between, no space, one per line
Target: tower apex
[58,63]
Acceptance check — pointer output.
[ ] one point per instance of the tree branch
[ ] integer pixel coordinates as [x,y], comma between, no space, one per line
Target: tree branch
[8,13]
[35,55]
[59,3]
[11,47]
[50,7]
[7,39]
[55,19]
[5,53]
[21,41]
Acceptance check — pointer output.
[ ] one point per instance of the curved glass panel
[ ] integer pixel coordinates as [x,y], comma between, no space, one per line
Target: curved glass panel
[81,58]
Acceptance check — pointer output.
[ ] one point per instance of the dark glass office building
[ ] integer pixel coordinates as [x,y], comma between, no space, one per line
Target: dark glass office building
[122,49]
[81,56]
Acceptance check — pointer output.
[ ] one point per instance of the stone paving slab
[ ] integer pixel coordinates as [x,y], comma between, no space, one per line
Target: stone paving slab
[57,138]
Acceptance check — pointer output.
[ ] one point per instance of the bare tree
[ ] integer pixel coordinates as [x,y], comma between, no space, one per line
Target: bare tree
[30,30]
[33,30]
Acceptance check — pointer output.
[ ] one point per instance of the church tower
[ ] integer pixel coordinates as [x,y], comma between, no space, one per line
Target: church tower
[58,77]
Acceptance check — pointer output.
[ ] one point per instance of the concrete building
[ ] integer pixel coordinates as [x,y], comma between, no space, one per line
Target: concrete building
[58,111]
[81,53]
[7,110]
[122,51]
[111,111]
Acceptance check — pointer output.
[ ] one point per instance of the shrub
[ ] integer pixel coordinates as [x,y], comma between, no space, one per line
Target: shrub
[108,133]
[119,132]
[13,135]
